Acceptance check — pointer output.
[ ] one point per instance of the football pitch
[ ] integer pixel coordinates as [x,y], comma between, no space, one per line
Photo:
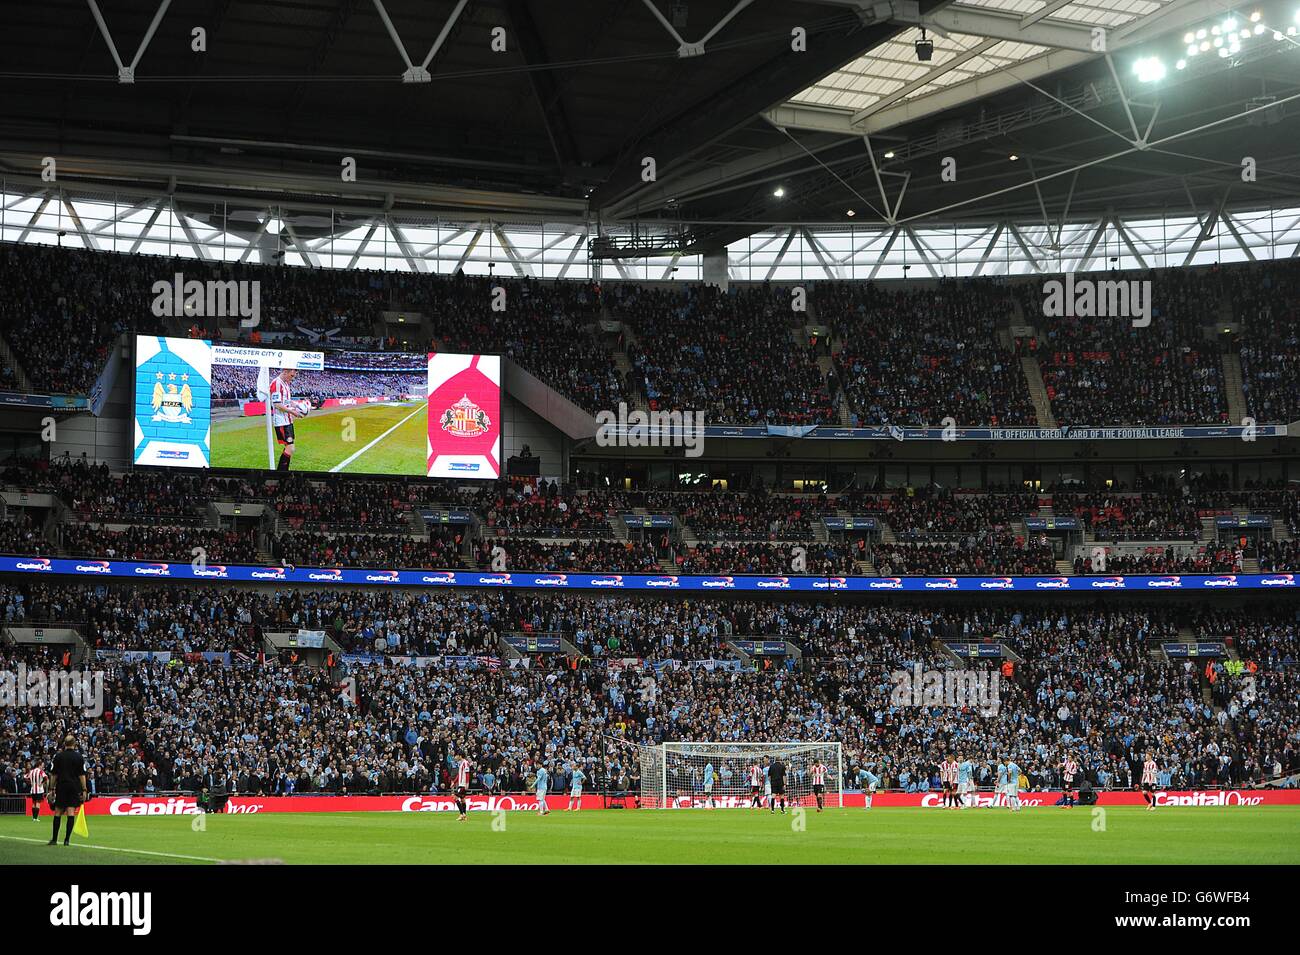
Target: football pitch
[383,438]
[1123,835]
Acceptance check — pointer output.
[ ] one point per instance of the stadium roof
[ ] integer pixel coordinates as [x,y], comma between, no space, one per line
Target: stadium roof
[852,129]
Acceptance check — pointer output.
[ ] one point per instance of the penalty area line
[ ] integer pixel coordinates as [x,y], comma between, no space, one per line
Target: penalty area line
[356,454]
[142,852]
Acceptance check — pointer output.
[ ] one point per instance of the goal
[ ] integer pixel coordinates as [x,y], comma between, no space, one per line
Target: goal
[672,774]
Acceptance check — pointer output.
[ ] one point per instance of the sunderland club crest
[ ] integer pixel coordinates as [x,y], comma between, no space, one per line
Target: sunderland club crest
[169,404]
[465,419]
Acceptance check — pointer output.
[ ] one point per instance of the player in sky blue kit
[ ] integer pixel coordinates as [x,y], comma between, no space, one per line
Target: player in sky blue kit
[868,781]
[1013,785]
[1001,789]
[543,781]
[965,782]
[575,789]
[708,786]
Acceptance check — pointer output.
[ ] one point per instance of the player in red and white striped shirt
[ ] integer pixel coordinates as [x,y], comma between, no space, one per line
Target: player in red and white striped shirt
[1149,770]
[756,786]
[463,769]
[1069,769]
[948,780]
[36,779]
[818,773]
[283,412]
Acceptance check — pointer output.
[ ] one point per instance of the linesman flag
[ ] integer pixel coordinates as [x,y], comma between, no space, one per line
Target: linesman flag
[80,827]
[264,395]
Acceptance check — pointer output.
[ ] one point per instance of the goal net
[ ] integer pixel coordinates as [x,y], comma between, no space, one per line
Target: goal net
[673,775]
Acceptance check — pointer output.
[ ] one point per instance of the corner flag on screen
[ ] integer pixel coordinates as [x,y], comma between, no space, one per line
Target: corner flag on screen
[264,395]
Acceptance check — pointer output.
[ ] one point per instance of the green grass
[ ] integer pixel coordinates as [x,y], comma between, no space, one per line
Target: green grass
[1205,835]
[241,442]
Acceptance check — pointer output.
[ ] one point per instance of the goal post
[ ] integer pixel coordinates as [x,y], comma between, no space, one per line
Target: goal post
[673,774]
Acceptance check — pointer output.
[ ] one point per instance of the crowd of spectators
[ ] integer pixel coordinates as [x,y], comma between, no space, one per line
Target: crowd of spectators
[1148,516]
[743,516]
[1092,684]
[917,356]
[578,555]
[307,549]
[754,557]
[549,328]
[342,377]
[61,310]
[1211,559]
[975,554]
[1104,370]
[161,543]
[1279,555]
[329,521]
[920,356]
[1264,298]
[934,512]
[20,533]
[704,350]
[545,510]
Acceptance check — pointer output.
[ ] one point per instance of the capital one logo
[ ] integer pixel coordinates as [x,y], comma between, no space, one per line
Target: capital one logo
[1088,298]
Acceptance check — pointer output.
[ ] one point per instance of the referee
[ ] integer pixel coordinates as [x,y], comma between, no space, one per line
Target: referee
[70,789]
[776,776]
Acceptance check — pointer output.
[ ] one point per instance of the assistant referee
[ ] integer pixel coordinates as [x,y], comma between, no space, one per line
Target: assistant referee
[70,789]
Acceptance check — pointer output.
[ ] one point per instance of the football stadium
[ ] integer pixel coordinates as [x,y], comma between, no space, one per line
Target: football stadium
[746,431]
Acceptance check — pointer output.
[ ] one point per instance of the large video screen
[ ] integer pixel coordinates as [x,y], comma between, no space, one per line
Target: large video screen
[203,404]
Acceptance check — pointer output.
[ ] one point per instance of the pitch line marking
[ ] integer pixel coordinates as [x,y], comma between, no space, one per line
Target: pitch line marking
[356,454]
[143,852]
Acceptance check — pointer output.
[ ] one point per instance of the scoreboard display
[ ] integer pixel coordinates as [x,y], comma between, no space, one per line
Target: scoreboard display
[204,404]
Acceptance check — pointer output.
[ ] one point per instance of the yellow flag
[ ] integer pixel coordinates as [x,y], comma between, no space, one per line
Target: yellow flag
[80,827]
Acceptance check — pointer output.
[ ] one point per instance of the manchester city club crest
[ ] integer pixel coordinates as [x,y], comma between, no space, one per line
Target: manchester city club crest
[172,405]
[465,419]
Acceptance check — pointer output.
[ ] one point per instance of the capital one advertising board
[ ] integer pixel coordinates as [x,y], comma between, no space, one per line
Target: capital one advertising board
[523,802]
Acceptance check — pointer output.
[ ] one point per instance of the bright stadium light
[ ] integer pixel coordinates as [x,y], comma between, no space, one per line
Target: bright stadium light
[1180,65]
[1149,70]
[889,154]
[1200,34]
[1188,37]
[1205,45]
[1259,28]
[1223,52]
[779,191]
[1254,17]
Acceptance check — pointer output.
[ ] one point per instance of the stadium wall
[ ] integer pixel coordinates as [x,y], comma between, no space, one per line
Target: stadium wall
[520,426]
